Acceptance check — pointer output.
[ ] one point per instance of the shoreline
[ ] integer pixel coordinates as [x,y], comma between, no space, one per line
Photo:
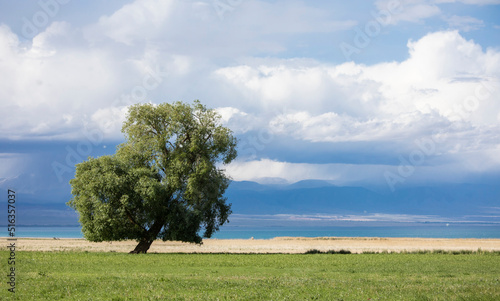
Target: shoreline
[286,245]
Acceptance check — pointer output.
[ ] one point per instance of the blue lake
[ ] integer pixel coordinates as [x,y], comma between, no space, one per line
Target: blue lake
[231,232]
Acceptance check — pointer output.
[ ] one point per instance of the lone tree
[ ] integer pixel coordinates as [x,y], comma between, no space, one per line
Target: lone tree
[164,182]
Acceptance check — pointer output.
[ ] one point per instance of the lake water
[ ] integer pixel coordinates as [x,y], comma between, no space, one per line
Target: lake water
[228,232]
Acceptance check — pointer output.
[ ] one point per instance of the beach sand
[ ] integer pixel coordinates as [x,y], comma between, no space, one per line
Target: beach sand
[275,245]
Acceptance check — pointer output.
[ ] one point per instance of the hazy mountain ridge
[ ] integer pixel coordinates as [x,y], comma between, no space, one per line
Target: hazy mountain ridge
[322,197]
[303,198]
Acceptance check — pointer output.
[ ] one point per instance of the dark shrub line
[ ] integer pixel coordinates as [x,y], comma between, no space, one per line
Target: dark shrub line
[449,252]
[315,251]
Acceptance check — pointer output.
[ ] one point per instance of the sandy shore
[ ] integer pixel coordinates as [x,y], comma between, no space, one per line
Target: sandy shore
[275,245]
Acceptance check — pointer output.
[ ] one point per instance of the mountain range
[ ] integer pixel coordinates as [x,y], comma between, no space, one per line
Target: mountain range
[311,196]
[461,202]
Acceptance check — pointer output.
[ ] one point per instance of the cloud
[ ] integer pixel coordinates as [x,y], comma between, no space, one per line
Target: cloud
[332,127]
[464,23]
[275,18]
[471,2]
[432,167]
[54,88]
[147,50]
[448,84]
[134,22]
[275,86]
[58,84]
[199,28]
[47,86]
[408,10]
[109,120]
[445,93]
[70,78]
[416,11]
[11,165]
[261,170]
[238,121]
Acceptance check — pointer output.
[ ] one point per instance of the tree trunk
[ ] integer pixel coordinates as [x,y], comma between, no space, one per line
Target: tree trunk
[142,247]
[148,238]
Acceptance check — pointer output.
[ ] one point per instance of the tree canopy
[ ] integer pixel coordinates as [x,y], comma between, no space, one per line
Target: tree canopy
[166,181]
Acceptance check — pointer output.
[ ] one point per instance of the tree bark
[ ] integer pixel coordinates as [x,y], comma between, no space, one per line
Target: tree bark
[149,237]
[142,247]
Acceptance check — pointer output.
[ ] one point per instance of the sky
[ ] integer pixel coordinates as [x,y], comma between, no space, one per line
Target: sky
[382,94]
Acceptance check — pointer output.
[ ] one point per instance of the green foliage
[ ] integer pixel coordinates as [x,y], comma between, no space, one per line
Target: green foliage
[114,276]
[164,182]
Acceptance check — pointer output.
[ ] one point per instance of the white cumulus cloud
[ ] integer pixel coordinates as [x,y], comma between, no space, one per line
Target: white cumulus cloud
[448,84]
[137,21]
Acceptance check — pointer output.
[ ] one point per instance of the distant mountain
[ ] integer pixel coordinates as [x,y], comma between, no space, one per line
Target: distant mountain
[314,197]
[311,197]
[310,184]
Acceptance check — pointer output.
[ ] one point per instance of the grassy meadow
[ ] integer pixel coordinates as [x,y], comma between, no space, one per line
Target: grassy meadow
[119,276]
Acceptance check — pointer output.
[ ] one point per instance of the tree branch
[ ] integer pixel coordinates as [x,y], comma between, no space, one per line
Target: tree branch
[208,138]
[129,215]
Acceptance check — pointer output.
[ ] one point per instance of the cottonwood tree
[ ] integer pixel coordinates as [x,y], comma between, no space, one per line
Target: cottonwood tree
[164,182]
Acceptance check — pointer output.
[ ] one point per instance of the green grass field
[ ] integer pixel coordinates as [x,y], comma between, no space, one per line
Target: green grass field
[116,276]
